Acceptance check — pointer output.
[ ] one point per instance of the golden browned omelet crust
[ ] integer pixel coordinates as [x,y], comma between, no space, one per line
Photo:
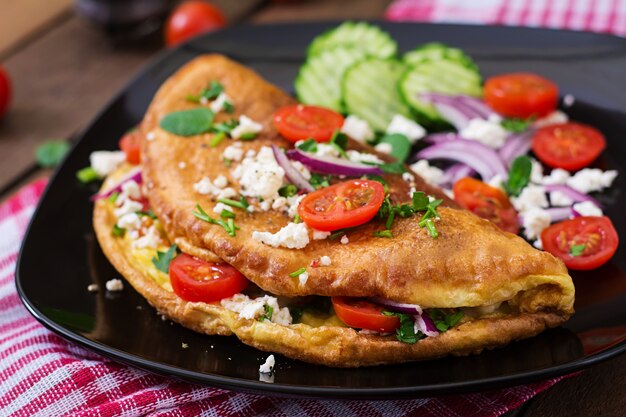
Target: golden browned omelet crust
[326,345]
[471,263]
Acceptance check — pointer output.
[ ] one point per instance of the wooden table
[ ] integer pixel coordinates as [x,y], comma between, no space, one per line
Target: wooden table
[64,71]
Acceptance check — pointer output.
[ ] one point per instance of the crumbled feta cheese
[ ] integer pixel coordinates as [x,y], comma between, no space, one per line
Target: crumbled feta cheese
[260,176]
[324,149]
[320,235]
[344,240]
[250,152]
[130,189]
[218,103]
[151,136]
[254,308]
[356,156]
[233,152]
[129,221]
[358,129]
[407,127]
[408,177]
[292,236]
[538,243]
[227,192]
[535,221]
[569,100]
[496,181]
[325,261]
[105,162]
[304,171]
[303,278]
[591,179]
[127,207]
[587,208]
[114,285]
[536,172]
[559,199]
[487,132]
[216,188]
[384,148]
[246,125]
[182,165]
[220,181]
[268,366]
[557,176]
[204,186]
[93,288]
[279,204]
[449,193]
[293,203]
[432,175]
[219,207]
[531,197]
[184,345]
[557,117]
[204,101]
[151,239]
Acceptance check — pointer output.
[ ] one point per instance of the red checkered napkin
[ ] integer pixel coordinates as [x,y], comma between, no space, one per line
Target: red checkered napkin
[41,374]
[604,16]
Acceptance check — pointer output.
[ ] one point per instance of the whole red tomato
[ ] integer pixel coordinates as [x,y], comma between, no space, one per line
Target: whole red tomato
[190,19]
[5,91]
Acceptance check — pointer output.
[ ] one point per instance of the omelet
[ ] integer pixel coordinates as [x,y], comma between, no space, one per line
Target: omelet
[506,289]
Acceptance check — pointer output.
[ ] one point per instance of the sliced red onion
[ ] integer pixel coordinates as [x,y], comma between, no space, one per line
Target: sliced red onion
[575,195]
[425,324]
[457,115]
[441,137]
[455,172]
[292,174]
[477,105]
[474,154]
[557,214]
[332,165]
[412,309]
[133,175]
[517,144]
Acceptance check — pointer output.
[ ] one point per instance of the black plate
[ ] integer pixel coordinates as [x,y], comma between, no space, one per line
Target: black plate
[60,255]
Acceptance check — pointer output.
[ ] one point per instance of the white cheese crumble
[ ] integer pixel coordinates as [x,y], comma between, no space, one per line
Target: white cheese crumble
[356,156]
[320,235]
[535,221]
[151,136]
[487,132]
[559,199]
[127,207]
[130,189]
[105,162]
[325,261]
[358,129]
[536,172]
[218,104]
[303,278]
[93,288]
[260,176]
[292,236]
[220,181]
[114,285]
[182,165]
[496,181]
[587,208]
[557,176]
[254,308]
[246,125]
[407,127]
[344,240]
[531,197]
[557,117]
[384,148]
[233,152]
[591,179]
[219,207]
[151,239]
[216,187]
[432,175]
[408,177]
[268,366]
[129,221]
[538,243]
[304,171]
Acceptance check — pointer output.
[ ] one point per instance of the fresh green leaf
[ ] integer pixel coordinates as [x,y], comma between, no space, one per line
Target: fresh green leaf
[288,190]
[113,197]
[228,107]
[269,312]
[297,219]
[432,230]
[244,202]
[389,222]
[247,136]
[148,213]
[516,125]
[340,141]
[577,250]
[383,233]
[50,153]
[297,273]
[87,175]
[225,127]
[319,181]
[227,214]
[392,168]
[227,162]
[210,93]
[118,231]
[233,203]
[400,145]
[519,175]
[309,145]
[188,122]
[337,233]
[420,201]
[228,226]
[217,139]
[163,259]
[444,321]
[406,332]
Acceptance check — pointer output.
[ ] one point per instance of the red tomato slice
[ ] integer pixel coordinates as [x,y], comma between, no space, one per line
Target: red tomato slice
[362,314]
[190,19]
[347,204]
[5,91]
[570,146]
[196,280]
[597,234]
[299,122]
[487,202]
[131,145]
[521,95]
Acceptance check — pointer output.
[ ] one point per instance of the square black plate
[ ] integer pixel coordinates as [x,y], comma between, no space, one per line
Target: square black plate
[60,255]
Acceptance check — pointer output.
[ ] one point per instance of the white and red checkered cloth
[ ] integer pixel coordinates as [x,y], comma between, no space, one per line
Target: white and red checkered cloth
[603,16]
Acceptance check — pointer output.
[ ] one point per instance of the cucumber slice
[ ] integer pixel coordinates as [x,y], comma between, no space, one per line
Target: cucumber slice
[436,51]
[319,79]
[444,76]
[370,91]
[372,39]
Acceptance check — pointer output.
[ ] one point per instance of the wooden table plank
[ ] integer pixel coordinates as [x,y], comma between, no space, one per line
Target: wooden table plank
[300,11]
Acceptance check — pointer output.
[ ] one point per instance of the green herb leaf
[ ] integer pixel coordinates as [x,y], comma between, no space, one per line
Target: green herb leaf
[269,312]
[118,231]
[519,175]
[113,197]
[148,213]
[577,250]
[227,214]
[247,136]
[297,219]
[288,190]
[400,145]
[420,201]
[406,332]
[225,127]
[339,141]
[217,139]
[188,122]
[163,259]
[392,168]
[319,181]
[516,125]
[432,230]
[244,202]
[87,175]
[297,273]
[228,107]
[210,93]
[309,145]
[50,153]
[228,226]
[383,233]
[444,321]
[234,203]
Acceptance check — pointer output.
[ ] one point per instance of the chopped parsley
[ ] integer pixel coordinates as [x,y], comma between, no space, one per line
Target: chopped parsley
[248,136]
[50,153]
[400,145]
[163,259]
[577,250]
[519,175]
[210,93]
[420,203]
[339,141]
[383,233]
[188,122]
[297,219]
[516,125]
[242,204]
[338,233]
[148,213]
[228,226]
[444,321]
[297,273]
[228,107]
[87,175]
[269,312]
[288,190]
[113,197]
[118,231]
[319,181]
[225,127]
[406,332]
[217,139]
[227,214]
[309,145]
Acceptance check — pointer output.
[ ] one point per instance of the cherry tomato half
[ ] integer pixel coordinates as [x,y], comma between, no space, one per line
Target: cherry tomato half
[362,314]
[347,204]
[299,122]
[570,146]
[582,243]
[487,202]
[5,91]
[521,95]
[192,18]
[196,280]
[130,143]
